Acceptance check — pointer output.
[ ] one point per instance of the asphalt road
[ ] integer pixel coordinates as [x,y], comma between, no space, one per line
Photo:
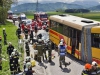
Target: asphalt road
[75,68]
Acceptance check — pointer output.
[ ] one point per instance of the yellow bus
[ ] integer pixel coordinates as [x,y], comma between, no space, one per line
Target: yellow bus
[81,35]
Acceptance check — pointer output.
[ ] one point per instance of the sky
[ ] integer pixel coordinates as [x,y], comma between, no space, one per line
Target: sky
[68,1]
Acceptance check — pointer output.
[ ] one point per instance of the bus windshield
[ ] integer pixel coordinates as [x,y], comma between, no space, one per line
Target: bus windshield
[43,16]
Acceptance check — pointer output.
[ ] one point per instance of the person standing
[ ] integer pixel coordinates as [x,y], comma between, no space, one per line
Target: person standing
[12,63]
[18,32]
[27,48]
[26,31]
[49,51]
[31,36]
[16,58]
[10,48]
[39,47]
[87,69]
[0,46]
[45,47]
[62,54]
[5,36]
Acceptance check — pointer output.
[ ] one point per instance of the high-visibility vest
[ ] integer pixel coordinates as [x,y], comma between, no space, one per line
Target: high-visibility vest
[62,50]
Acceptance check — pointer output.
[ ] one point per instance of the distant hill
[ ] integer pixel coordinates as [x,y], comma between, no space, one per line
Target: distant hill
[45,7]
[95,8]
[86,3]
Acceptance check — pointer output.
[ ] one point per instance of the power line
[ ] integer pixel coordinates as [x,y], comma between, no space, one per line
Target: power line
[37,6]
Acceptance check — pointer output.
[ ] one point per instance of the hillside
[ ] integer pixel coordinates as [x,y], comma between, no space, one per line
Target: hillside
[95,8]
[45,7]
[87,3]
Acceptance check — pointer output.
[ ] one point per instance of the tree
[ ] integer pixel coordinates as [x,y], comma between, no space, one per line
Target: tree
[4,7]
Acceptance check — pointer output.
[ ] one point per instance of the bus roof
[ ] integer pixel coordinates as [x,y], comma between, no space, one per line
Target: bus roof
[73,21]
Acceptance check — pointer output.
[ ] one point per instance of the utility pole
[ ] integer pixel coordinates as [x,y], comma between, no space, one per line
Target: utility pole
[37,6]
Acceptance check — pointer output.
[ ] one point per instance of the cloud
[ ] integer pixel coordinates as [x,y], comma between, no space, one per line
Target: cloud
[67,1]
[46,1]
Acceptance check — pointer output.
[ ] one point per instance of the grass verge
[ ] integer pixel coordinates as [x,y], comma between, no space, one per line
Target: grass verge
[11,37]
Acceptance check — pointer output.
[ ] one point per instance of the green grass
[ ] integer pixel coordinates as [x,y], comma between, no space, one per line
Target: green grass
[30,16]
[91,15]
[11,37]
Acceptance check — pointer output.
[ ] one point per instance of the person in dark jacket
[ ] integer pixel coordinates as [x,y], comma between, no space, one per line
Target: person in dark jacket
[28,69]
[26,31]
[18,32]
[27,48]
[87,69]
[12,63]
[10,48]
[95,68]
[31,36]
[5,36]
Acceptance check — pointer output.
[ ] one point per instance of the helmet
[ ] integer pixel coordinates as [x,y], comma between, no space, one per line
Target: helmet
[28,64]
[94,63]
[3,28]
[26,41]
[39,40]
[15,50]
[62,40]
[61,43]
[10,43]
[27,58]
[88,66]
[13,54]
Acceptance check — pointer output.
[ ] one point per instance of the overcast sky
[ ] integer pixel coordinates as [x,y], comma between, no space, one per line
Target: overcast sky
[68,1]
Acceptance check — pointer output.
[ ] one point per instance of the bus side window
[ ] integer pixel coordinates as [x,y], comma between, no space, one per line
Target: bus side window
[65,30]
[53,25]
[95,40]
[78,39]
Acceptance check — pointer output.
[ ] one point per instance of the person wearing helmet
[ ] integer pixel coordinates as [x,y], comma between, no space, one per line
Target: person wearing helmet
[28,59]
[39,36]
[5,36]
[26,31]
[18,32]
[39,47]
[87,69]
[95,68]
[28,69]
[10,48]
[62,54]
[49,50]
[16,58]
[31,36]
[12,63]
[27,48]
[44,50]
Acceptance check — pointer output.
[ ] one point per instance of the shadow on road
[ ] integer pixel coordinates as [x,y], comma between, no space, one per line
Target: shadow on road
[75,59]
[52,63]
[66,70]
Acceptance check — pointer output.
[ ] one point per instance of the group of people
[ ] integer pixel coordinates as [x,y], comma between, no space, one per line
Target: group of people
[41,45]
[13,59]
[91,69]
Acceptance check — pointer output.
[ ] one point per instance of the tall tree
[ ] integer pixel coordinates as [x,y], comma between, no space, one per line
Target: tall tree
[4,7]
